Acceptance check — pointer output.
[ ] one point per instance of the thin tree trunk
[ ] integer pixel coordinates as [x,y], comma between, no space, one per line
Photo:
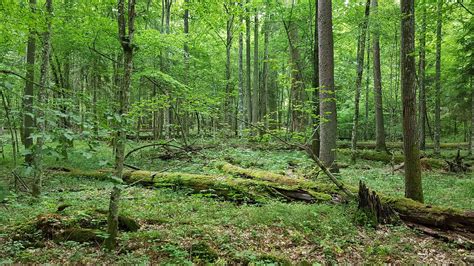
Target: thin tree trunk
[367,82]
[256,72]
[421,77]
[40,115]
[413,187]
[247,63]
[360,71]
[228,77]
[240,107]
[379,123]
[327,91]
[315,142]
[265,75]
[28,119]
[471,146]
[437,123]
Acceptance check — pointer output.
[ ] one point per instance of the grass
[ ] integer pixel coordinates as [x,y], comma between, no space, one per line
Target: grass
[179,228]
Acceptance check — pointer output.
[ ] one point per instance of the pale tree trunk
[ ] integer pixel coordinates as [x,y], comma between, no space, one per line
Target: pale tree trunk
[379,123]
[358,84]
[256,72]
[327,91]
[437,122]
[367,82]
[247,65]
[240,106]
[28,120]
[315,141]
[413,187]
[265,75]
[42,101]
[126,29]
[421,77]
[228,49]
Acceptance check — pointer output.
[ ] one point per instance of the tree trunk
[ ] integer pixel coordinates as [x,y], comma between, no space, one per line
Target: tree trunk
[379,123]
[228,86]
[28,119]
[42,101]
[112,219]
[367,82]
[413,187]
[471,140]
[421,77]
[327,91]
[240,107]
[265,74]
[247,64]
[315,142]
[437,123]
[360,71]
[256,73]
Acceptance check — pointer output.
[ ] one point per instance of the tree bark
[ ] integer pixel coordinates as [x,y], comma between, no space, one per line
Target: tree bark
[421,77]
[413,186]
[40,115]
[28,119]
[240,107]
[265,74]
[315,142]
[228,49]
[379,121]
[247,65]
[256,72]
[360,71]
[437,122]
[327,91]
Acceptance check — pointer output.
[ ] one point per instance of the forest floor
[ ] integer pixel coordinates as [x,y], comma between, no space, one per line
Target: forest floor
[179,228]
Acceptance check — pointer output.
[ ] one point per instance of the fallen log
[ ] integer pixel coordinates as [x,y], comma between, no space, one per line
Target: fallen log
[257,186]
[428,163]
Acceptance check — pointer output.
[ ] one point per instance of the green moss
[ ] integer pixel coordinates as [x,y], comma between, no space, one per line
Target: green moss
[80,235]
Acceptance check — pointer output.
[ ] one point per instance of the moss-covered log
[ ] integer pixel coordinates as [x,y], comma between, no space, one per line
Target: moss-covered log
[253,186]
[399,145]
[427,163]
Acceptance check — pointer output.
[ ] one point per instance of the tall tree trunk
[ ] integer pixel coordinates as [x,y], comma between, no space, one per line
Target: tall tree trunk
[421,77]
[256,72]
[265,75]
[240,106]
[40,115]
[327,91]
[379,123]
[367,82]
[247,65]
[358,84]
[413,187]
[228,77]
[297,93]
[28,119]
[471,140]
[437,122]
[315,141]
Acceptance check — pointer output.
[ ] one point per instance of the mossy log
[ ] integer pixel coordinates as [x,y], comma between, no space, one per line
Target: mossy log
[427,163]
[257,186]
[399,145]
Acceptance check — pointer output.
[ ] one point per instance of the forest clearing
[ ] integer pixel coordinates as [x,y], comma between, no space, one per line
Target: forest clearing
[236,132]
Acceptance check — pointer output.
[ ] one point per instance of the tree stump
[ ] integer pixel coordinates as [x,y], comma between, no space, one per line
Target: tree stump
[369,202]
[457,165]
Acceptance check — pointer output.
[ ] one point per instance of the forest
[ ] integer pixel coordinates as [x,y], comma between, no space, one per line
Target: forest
[236,132]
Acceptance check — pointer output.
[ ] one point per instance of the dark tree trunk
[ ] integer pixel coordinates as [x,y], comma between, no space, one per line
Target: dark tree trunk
[240,106]
[379,123]
[28,119]
[315,142]
[247,65]
[421,77]
[367,82]
[327,91]
[358,84]
[256,79]
[265,75]
[228,86]
[437,122]
[413,187]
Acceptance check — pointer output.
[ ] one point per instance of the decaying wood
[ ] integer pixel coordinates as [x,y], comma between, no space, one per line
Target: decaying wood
[457,165]
[370,203]
[257,186]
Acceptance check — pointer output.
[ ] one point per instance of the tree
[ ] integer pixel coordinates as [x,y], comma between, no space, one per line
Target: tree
[358,84]
[413,186]
[421,77]
[256,73]
[247,65]
[42,101]
[315,143]
[28,119]
[437,122]
[379,123]
[327,95]
[126,30]
[228,73]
